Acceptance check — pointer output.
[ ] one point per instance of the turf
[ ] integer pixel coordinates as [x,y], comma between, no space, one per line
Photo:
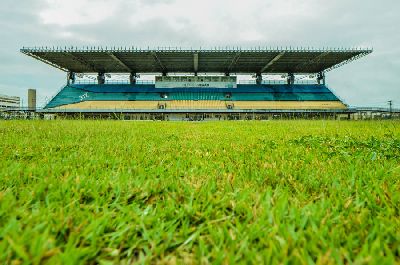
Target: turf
[278,192]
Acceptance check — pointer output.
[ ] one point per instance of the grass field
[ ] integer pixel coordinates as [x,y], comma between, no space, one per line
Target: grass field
[114,192]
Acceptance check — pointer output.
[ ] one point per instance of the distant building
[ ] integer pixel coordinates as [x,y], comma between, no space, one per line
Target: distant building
[9,102]
[31,99]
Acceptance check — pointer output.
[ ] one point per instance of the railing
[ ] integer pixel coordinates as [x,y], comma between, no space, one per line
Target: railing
[377,109]
[278,82]
[152,82]
[20,109]
[192,49]
[336,95]
[351,109]
[114,82]
[47,99]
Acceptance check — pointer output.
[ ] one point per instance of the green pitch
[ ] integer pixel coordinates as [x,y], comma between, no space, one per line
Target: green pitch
[114,192]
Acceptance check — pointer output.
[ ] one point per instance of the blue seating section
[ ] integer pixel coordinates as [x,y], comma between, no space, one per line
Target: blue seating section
[126,88]
[76,93]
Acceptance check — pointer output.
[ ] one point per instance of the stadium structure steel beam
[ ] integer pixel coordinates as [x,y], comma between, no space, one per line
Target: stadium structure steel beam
[362,54]
[195,63]
[272,61]
[234,61]
[314,60]
[44,60]
[160,64]
[120,62]
[82,61]
[97,59]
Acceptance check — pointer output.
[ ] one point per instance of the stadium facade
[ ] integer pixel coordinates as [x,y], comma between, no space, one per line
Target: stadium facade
[9,102]
[196,84]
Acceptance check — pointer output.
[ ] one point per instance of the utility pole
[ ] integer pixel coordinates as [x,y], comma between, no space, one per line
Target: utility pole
[390,107]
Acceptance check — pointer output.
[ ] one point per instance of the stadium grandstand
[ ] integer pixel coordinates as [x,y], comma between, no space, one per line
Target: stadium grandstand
[196,84]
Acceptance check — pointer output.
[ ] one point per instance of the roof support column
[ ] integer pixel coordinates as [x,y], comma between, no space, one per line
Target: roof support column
[132,78]
[290,79]
[195,63]
[321,77]
[70,78]
[258,78]
[101,79]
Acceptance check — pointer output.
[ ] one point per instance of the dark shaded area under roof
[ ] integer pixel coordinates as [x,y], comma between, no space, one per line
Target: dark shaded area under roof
[238,61]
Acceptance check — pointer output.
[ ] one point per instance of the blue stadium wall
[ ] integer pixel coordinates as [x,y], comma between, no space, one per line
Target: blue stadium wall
[76,97]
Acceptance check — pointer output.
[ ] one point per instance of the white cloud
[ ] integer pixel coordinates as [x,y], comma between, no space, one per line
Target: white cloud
[214,21]
[207,23]
[77,12]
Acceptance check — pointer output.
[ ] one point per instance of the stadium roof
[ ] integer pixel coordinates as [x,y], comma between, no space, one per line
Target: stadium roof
[240,61]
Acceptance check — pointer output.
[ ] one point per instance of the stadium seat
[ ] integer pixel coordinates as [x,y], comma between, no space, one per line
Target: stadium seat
[289,105]
[195,104]
[150,97]
[112,105]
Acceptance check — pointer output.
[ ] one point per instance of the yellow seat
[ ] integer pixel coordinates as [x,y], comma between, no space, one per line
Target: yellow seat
[289,105]
[112,105]
[204,104]
[196,104]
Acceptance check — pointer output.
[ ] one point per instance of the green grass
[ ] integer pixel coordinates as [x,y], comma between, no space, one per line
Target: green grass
[111,192]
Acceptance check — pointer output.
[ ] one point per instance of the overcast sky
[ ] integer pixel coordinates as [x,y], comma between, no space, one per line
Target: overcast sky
[370,81]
